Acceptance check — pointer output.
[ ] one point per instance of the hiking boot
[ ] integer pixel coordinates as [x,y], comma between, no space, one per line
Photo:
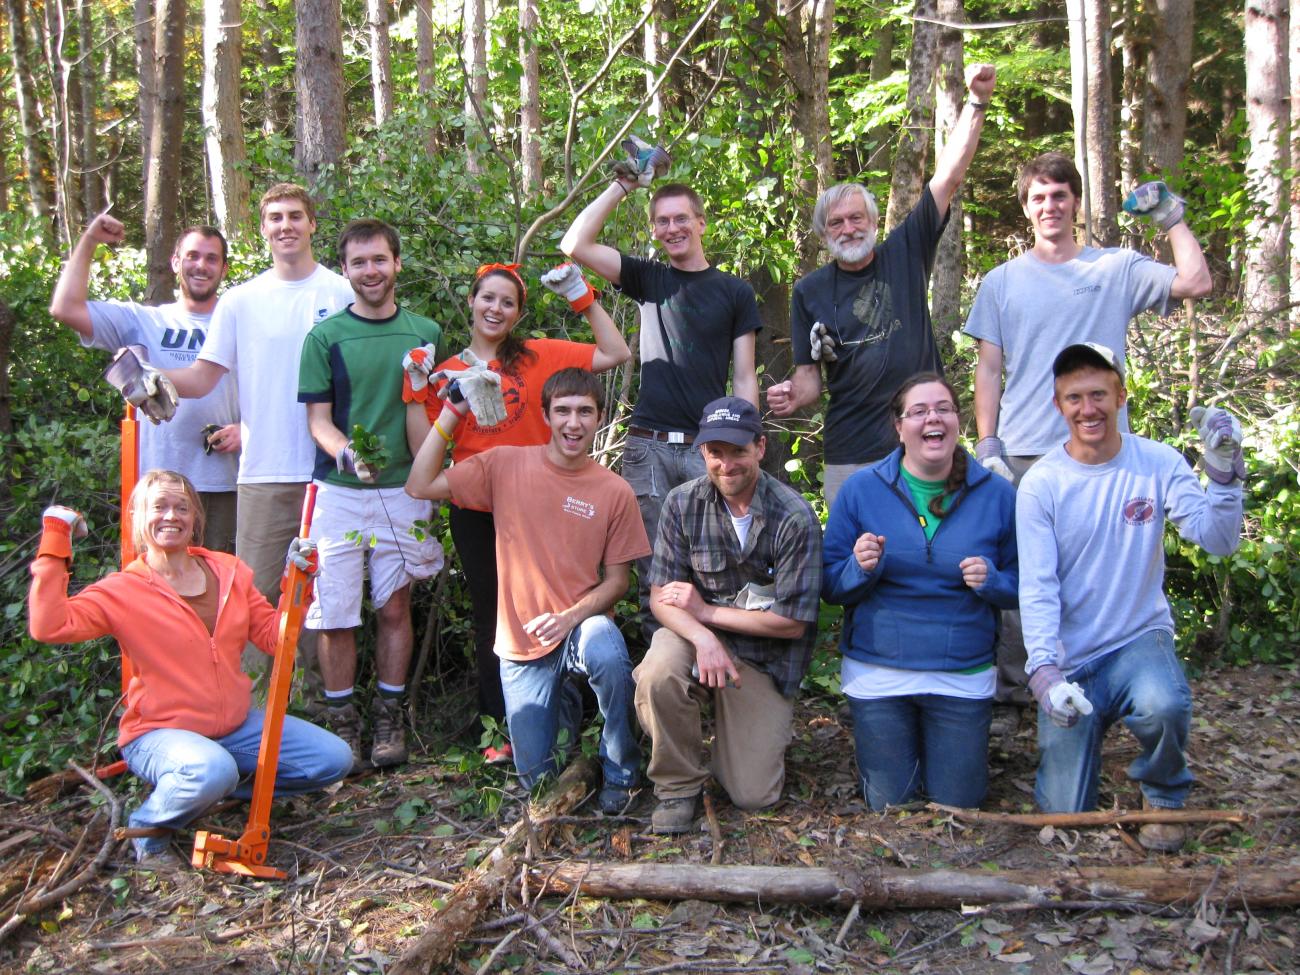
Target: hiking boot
[346,723]
[389,728]
[164,861]
[1005,722]
[614,799]
[1161,837]
[674,815]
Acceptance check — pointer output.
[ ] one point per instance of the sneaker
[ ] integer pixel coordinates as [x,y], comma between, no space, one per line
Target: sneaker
[1161,837]
[499,756]
[674,815]
[346,723]
[1005,721]
[614,799]
[159,861]
[389,747]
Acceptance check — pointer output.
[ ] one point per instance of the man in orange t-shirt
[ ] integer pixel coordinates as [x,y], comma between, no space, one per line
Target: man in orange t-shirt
[567,533]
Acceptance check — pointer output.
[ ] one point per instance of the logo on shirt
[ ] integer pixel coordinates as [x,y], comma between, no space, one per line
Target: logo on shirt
[322,314]
[1087,289]
[1139,511]
[576,506]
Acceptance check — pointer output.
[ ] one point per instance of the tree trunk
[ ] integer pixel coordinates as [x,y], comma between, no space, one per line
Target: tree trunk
[1133,55]
[424,79]
[894,888]
[1267,123]
[36,154]
[222,122]
[65,105]
[880,138]
[92,184]
[7,322]
[275,100]
[1293,66]
[950,96]
[475,57]
[381,60]
[322,113]
[145,69]
[1093,114]
[911,152]
[1168,70]
[650,52]
[162,204]
[530,105]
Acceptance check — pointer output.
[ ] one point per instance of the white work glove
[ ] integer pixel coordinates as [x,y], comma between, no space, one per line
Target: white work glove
[990,452]
[567,282]
[302,555]
[418,364]
[644,162]
[480,388]
[347,462]
[1221,434]
[822,342]
[1155,200]
[143,386]
[61,527]
[1063,701]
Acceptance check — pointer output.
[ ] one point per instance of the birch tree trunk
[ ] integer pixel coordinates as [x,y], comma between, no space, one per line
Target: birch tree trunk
[36,154]
[950,96]
[322,113]
[381,60]
[223,127]
[530,107]
[162,203]
[1267,121]
[1093,117]
[913,145]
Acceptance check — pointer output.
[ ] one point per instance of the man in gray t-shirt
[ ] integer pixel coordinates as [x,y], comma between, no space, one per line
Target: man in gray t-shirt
[171,336]
[1027,310]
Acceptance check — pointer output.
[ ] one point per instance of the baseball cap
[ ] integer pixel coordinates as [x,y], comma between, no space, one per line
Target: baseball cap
[1082,354]
[732,420]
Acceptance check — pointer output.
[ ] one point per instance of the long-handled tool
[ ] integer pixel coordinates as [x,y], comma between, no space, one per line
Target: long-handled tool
[247,855]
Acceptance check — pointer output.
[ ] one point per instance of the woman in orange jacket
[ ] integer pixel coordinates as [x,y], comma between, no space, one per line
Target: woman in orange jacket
[182,615]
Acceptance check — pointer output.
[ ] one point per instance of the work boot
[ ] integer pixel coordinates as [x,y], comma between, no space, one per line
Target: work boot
[389,747]
[1161,837]
[346,723]
[613,800]
[674,815]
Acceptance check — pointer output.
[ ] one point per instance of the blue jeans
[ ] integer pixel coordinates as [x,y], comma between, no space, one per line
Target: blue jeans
[1142,683]
[539,701]
[190,772]
[922,742]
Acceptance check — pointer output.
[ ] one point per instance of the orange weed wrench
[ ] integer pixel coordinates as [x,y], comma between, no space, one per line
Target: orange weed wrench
[247,855]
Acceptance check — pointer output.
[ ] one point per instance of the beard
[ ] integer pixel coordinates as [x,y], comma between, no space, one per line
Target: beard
[854,249]
[204,291]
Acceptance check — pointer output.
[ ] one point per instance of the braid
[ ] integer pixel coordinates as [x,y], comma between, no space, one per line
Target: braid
[956,478]
[512,349]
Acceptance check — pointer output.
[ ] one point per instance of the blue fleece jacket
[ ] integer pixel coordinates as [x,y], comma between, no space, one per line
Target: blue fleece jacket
[913,611]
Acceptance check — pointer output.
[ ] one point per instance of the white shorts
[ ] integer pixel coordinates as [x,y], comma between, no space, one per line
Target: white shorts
[379,521]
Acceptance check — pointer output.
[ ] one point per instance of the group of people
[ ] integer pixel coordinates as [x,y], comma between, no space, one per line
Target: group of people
[931,550]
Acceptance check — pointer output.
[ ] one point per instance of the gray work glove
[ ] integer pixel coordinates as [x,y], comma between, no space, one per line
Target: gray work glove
[567,282]
[302,554]
[644,162]
[347,462]
[1155,200]
[992,454]
[481,389]
[754,596]
[1221,434]
[1063,701]
[143,386]
[822,343]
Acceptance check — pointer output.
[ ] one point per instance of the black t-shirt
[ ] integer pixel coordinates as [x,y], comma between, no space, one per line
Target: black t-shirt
[689,320]
[880,319]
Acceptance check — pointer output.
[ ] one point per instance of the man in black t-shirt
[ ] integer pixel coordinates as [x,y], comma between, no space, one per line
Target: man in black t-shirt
[866,314]
[697,323]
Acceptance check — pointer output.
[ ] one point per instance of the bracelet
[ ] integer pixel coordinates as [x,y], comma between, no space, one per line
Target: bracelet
[976,104]
[446,437]
[619,184]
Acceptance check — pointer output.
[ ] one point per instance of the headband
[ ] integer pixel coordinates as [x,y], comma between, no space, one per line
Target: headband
[510,269]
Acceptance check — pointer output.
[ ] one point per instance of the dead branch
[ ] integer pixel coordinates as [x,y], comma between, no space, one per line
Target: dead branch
[471,897]
[894,888]
[1113,817]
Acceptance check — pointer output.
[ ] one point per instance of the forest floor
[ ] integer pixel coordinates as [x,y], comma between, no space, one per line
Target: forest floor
[371,862]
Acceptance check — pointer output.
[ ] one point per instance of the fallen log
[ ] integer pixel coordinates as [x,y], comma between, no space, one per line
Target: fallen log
[468,900]
[1118,816]
[885,888]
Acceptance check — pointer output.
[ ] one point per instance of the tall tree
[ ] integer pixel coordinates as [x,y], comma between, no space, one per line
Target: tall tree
[162,202]
[92,185]
[1168,71]
[222,122]
[145,67]
[322,113]
[950,97]
[381,60]
[1090,85]
[530,100]
[911,152]
[1293,242]
[1267,120]
[474,59]
[36,154]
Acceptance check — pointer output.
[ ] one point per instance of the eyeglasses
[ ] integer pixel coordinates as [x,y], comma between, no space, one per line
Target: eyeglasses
[681,220]
[921,411]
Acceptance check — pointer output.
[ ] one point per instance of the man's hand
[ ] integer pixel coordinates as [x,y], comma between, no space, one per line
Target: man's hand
[1155,200]
[347,462]
[868,550]
[644,162]
[1221,434]
[980,79]
[990,452]
[418,365]
[1064,702]
[481,388]
[822,343]
[106,230]
[61,526]
[567,282]
[683,595]
[780,398]
[713,664]
[974,571]
[549,628]
[141,385]
[221,440]
[302,554]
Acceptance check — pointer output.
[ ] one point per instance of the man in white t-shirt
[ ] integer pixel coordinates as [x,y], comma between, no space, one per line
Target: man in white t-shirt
[256,335]
[171,336]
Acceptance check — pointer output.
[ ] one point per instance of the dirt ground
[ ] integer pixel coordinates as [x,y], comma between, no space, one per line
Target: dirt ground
[371,862]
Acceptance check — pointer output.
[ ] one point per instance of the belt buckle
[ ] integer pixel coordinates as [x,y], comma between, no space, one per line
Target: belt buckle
[676,436]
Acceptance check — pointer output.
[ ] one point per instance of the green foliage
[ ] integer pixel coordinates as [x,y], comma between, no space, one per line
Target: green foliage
[370,448]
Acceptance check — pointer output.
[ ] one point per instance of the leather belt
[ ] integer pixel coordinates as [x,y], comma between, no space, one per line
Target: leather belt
[663,436]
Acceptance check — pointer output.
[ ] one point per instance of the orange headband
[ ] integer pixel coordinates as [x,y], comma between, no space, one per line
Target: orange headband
[510,269]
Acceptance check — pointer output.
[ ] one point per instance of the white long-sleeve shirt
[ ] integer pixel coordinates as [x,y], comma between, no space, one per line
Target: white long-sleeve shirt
[1091,540]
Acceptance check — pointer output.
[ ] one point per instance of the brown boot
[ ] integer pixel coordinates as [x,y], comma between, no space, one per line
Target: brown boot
[1161,837]
[346,723]
[389,729]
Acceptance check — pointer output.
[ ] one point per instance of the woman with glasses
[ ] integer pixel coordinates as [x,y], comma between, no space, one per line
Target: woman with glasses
[496,302]
[921,552]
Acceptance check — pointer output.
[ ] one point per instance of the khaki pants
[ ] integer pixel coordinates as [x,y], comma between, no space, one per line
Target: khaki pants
[752,724]
[219,511]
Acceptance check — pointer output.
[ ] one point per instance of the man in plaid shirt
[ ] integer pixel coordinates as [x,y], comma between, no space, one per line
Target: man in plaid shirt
[736,584]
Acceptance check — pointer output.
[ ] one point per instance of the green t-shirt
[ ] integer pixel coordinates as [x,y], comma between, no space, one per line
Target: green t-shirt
[355,364]
[923,492]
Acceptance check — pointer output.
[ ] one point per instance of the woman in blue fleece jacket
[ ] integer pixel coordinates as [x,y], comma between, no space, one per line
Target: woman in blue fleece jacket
[921,551]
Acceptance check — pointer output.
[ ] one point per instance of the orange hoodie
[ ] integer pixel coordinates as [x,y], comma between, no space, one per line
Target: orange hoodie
[184,677]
